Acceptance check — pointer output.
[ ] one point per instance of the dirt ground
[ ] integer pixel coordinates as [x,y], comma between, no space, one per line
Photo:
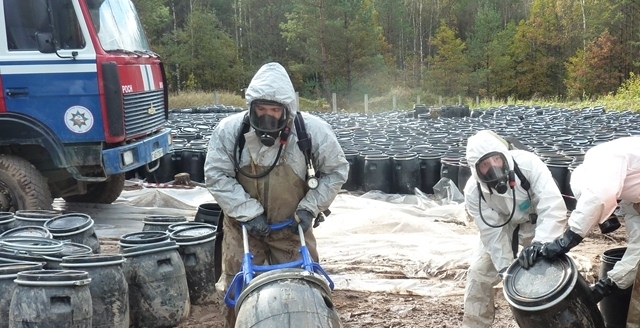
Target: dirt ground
[385,310]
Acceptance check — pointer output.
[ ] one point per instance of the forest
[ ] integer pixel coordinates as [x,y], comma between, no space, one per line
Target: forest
[520,49]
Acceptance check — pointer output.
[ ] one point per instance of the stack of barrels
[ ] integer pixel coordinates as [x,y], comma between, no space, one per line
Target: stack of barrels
[34,248]
[54,261]
[401,151]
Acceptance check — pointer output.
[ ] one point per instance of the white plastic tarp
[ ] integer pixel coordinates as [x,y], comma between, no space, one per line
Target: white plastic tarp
[413,244]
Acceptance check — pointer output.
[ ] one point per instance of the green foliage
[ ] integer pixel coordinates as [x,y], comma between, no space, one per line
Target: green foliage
[629,90]
[486,28]
[260,38]
[155,18]
[337,40]
[450,65]
[204,54]
[595,71]
[577,74]
[536,49]
[502,78]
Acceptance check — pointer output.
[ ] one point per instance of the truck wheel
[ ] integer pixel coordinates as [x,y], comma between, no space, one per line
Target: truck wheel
[22,187]
[105,192]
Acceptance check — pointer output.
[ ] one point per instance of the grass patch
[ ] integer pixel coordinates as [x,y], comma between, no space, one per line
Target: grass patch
[189,99]
[626,98]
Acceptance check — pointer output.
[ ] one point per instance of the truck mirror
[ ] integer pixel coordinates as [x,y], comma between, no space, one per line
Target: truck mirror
[45,42]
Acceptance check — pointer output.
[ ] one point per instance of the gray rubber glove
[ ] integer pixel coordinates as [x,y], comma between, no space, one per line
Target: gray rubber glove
[258,226]
[561,245]
[602,288]
[303,218]
[529,255]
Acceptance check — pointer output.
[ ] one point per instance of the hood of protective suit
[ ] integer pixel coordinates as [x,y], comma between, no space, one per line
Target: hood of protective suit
[272,82]
[482,143]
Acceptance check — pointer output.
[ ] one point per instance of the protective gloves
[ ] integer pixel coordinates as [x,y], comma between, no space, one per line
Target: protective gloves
[611,224]
[529,255]
[561,245]
[303,218]
[602,288]
[258,226]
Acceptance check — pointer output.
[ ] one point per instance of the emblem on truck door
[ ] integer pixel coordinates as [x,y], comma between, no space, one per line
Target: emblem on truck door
[151,110]
[78,119]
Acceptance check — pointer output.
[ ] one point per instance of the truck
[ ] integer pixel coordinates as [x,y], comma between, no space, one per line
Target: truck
[84,100]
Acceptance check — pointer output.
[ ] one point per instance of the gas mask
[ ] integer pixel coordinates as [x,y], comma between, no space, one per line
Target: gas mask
[267,122]
[493,170]
[267,127]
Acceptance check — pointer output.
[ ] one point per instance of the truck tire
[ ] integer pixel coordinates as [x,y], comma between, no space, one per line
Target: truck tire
[105,192]
[22,187]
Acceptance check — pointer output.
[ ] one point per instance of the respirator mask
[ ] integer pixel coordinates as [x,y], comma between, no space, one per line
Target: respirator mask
[493,170]
[263,117]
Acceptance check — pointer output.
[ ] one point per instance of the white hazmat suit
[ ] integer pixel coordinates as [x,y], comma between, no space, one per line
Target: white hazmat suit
[495,251]
[272,82]
[610,172]
[273,185]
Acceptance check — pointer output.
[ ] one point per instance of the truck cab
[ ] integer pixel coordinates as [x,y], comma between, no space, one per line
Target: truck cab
[83,101]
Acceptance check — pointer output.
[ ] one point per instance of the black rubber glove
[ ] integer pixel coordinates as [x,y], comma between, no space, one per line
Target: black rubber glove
[561,245]
[258,226]
[602,288]
[529,255]
[303,218]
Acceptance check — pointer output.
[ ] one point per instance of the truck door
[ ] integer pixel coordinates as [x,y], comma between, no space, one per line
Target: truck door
[58,89]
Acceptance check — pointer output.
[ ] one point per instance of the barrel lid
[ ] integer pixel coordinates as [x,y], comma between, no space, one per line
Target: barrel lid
[11,256]
[53,278]
[351,152]
[31,245]
[376,157]
[194,233]
[36,215]
[143,237]
[430,155]
[189,224]
[15,267]
[92,258]
[149,248]
[405,156]
[282,274]
[6,217]
[209,206]
[542,285]
[69,249]
[27,231]
[163,219]
[70,221]
[613,255]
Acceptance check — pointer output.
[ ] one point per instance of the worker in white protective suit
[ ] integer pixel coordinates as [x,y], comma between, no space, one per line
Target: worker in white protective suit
[258,172]
[609,172]
[513,200]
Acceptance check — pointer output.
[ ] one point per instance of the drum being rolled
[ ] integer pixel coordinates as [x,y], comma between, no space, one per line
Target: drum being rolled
[286,298]
[550,294]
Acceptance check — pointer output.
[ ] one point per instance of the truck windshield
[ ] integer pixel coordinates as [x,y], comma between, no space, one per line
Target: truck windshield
[118,25]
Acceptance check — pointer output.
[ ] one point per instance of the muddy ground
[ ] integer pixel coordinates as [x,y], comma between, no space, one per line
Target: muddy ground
[385,310]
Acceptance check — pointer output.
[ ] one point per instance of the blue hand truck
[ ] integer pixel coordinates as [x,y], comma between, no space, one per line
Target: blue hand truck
[248,269]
